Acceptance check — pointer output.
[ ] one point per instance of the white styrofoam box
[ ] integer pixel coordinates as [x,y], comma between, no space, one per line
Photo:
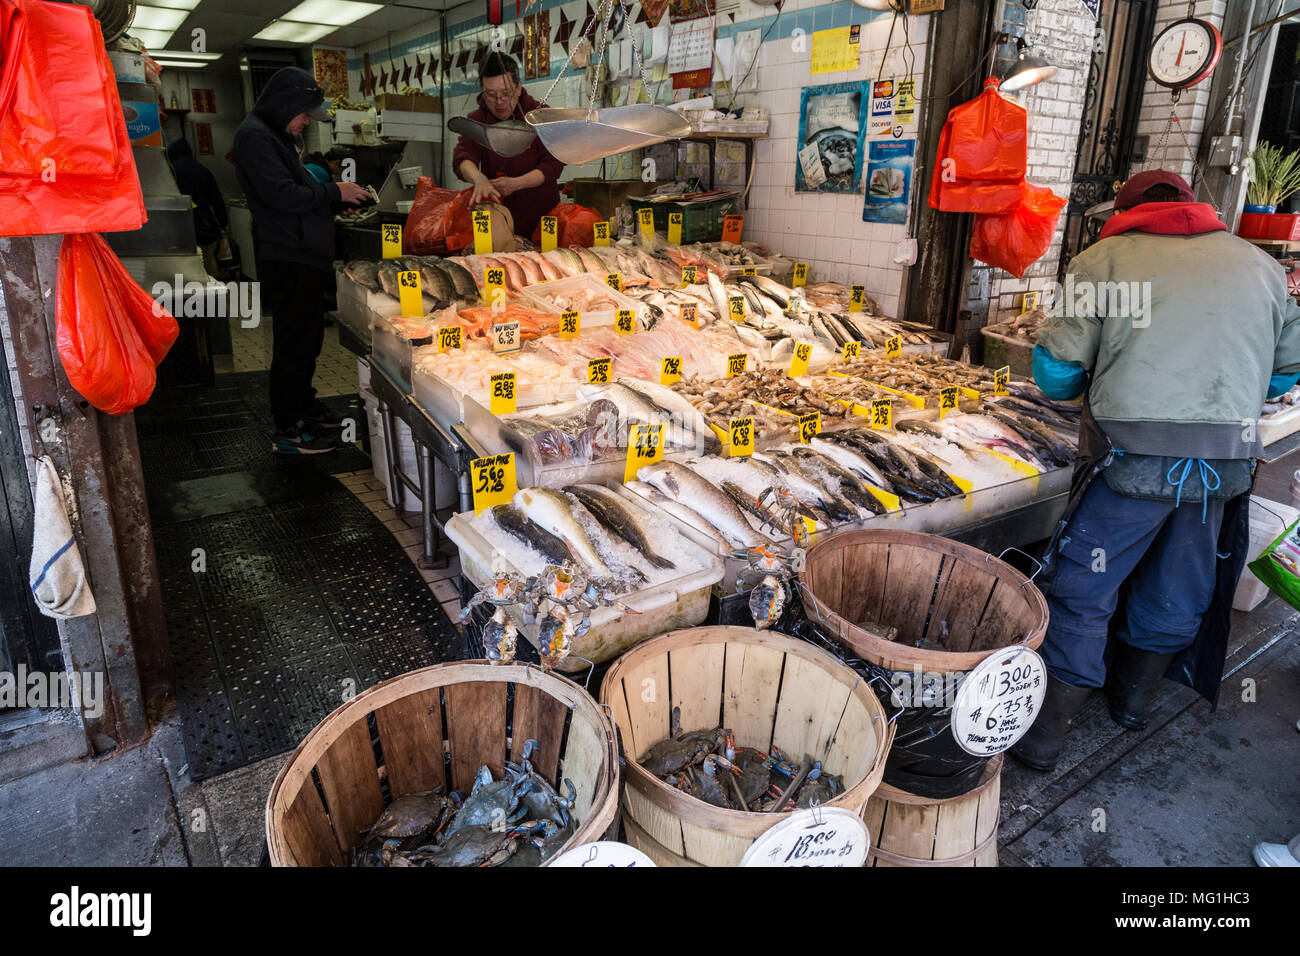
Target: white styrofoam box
[1268,519]
[363,375]
[423,134]
[404,205]
[375,425]
[410,118]
[409,176]
[410,466]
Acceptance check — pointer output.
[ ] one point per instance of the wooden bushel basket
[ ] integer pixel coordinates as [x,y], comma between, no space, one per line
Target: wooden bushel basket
[959,600]
[767,688]
[907,830]
[457,709]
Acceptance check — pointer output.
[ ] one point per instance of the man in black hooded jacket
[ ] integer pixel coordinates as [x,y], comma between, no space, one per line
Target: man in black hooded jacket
[293,220]
[196,181]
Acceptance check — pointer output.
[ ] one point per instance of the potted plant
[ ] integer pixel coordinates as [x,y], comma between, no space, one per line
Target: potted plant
[1273,176]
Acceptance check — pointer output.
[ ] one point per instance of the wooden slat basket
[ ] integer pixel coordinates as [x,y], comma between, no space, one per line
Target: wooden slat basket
[770,690]
[436,727]
[908,830]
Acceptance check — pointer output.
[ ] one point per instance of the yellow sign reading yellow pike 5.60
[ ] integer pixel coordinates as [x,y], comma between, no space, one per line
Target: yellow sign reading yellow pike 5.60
[800,274]
[493,481]
[646,218]
[570,323]
[736,307]
[600,231]
[615,281]
[504,398]
[392,234]
[690,314]
[670,370]
[598,371]
[550,232]
[675,228]
[799,361]
[1001,378]
[882,413]
[857,295]
[947,400]
[736,364]
[645,446]
[408,284]
[809,425]
[852,350]
[688,275]
[482,232]
[449,337]
[893,346]
[740,432]
[625,321]
[494,287]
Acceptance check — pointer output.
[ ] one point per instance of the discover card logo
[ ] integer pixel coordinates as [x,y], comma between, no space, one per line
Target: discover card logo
[75,909]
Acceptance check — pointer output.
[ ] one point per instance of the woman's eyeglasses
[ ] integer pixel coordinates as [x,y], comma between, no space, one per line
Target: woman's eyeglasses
[497,97]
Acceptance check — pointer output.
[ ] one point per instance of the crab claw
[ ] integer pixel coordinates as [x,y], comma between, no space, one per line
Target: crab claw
[529,746]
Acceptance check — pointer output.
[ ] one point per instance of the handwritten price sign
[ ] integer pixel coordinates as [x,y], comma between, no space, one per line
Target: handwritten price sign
[646,218]
[494,287]
[505,337]
[570,323]
[503,397]
[998,701]
[615,281]
[947,401]
[675,228]
[645,446]
[690,314]
[736,364]
[493,481]
[857,295]
[550,232]
[688,275]
[799,361]
[852,350]
[392,239]
[449,337]
[821,836]
[598,371]
[741,435]
[1001,379]
[882,414]
[625,321]
[600,232]
[670,370]
[408,286]
[809,425]
[893,346]
[800,274]
[482,232]
[732,224]
[736,308]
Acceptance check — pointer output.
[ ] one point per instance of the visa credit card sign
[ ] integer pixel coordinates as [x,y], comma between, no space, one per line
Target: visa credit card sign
[142,123]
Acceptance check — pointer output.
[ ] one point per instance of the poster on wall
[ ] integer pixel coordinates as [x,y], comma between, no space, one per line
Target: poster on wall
[889,181]
[832,121]
[203,138]
[330,68]
[203,101]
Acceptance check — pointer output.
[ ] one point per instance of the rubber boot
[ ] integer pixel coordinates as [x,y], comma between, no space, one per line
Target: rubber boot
[1133,677]
[1278,854]
[1040,748]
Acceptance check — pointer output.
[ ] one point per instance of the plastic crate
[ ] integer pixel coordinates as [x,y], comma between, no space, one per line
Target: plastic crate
[1284,227]
[701,218]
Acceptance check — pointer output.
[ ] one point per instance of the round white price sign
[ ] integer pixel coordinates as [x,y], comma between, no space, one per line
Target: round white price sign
[825,836]
[998,701]
[603,853]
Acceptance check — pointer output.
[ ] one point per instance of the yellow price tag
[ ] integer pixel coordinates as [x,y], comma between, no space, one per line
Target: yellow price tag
[615,281]
[550,232]
[670,370]
[740,433]
[598,371]
[408,285]
[646,217]
[882,413]
[736,364]
[690,314]
[809,425]
[392,235]
[600,231]
[645,446]
[689,274]
[852,350]
[675,228]
[894,346]
[504,396]
[450,337]
[799,361]
[493,481]
[749,271]
[800,274]
[494,287]
[505,337]
[736,307]
[570,323]
[947,401]
[625,321]
[1001,378]
[1029,301]
[732,223]
[482,232]
[857,295]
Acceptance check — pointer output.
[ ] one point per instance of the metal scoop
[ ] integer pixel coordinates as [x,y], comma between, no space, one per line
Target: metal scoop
[576,136]
[507,138]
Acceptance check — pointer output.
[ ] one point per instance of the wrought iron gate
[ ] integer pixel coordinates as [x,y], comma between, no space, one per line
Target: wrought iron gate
[1112,102]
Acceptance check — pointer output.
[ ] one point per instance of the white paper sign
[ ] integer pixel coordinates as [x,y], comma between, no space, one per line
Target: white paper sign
[603,853]
[691,45]
[998,701]
[826,836]
[810,161]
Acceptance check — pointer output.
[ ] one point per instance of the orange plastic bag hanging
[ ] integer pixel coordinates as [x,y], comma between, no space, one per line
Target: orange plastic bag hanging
[439,221]
[1017,239]
[980,162]
[574,228]
[111,333]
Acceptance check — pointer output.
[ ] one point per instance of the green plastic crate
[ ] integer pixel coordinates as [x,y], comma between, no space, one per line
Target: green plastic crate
[701,219]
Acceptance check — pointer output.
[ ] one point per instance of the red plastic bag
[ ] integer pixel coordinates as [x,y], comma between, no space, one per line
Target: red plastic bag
[574,227]
[439,221]
[1017,239]
[980,162]
[65,155]
[111,333]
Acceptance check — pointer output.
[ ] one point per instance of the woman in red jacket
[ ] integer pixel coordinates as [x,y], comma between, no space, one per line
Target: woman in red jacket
[526,184]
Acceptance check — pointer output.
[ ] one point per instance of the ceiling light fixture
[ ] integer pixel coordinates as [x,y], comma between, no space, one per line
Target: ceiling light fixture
[1027,70]
[158,18]
[337,13]
[181,64]
[183,55]
[152,39]
[287,31]
[175,4]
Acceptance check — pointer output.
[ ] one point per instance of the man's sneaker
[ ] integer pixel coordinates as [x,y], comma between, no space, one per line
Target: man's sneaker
[300,440]
[322,420]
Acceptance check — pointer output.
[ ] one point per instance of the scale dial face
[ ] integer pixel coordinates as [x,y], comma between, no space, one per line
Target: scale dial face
[1184,53]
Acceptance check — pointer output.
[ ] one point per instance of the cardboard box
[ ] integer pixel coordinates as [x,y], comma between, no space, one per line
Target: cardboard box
[142,123]
[407,118]
[409,102]
[127,67]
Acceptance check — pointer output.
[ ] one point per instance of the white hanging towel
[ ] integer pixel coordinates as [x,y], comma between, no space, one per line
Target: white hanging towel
[57,576]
